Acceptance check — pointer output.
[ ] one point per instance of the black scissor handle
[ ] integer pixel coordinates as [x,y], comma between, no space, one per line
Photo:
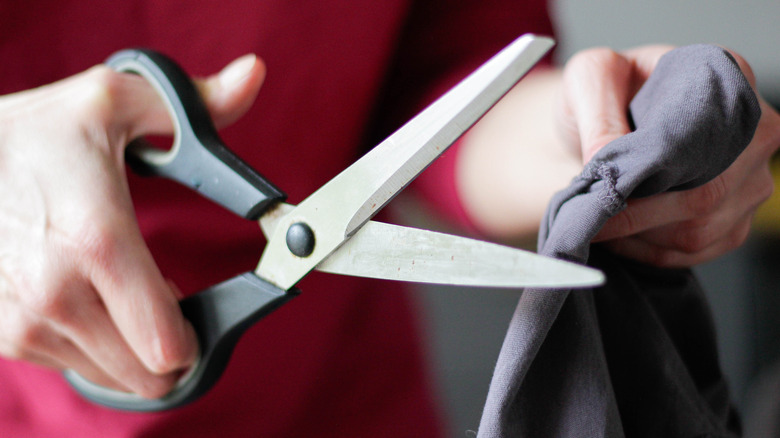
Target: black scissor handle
[220,315]
[198,159]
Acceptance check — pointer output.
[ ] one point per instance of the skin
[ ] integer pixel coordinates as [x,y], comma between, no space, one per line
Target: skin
[79,288]
[506,197]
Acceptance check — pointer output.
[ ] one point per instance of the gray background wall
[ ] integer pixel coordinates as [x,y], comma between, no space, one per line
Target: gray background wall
[466,326]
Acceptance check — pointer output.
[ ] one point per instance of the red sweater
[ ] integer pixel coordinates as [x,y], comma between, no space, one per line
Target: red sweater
[343,359]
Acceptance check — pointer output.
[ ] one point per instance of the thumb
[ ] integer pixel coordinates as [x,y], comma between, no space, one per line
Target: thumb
[227,95]
[597,87]
[134,292]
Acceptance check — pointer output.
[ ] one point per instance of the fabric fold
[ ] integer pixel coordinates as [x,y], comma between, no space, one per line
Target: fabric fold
[623,359]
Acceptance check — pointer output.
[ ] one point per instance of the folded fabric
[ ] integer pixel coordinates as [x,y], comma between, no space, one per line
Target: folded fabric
[635,357]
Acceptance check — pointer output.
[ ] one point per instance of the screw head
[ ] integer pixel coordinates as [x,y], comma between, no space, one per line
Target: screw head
[300,239]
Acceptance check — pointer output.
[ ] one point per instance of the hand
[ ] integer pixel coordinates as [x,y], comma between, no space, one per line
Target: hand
[674,229]
[78,286]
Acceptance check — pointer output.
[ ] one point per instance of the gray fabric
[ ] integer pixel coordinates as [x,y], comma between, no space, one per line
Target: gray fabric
[635,357]
[763,405]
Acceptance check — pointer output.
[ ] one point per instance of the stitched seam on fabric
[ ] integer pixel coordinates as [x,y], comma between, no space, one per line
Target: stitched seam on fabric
[609,197]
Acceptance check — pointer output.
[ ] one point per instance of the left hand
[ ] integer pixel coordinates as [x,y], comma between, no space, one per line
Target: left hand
[674,229]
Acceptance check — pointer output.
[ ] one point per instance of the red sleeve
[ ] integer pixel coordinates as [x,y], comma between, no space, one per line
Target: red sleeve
[440,46]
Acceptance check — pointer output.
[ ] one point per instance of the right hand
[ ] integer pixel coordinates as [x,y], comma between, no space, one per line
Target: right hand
[78,286]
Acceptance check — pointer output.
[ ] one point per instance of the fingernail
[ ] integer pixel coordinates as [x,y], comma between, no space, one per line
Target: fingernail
[237,71]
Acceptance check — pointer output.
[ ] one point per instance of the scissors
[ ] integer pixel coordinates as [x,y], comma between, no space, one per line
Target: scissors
[331,230]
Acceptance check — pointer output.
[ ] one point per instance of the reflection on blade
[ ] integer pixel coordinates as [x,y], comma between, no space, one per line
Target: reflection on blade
[393,252]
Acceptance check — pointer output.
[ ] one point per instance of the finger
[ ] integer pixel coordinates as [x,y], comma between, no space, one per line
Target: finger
[227,95]
[663,209]
[79,315]
[644,59]
[96,335]
[766,140]
[740,189]
[29,337]
[689,237]
[699,232]
[61,354]
[646,252]
[747,70]
[231,93]
[139,300]
[597,90]
[643,214]
[68,356]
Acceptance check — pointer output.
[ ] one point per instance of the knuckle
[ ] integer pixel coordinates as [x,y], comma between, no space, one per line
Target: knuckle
[96,242]
[94,93]
[22,337]
[707,198]
[35,293]
[48,300]
[30,335]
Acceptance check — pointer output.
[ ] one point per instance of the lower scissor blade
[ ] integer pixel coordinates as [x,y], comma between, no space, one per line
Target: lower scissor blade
[393,252]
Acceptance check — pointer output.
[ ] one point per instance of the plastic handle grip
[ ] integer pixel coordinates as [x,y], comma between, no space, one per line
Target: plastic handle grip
[197,159]
[220,315]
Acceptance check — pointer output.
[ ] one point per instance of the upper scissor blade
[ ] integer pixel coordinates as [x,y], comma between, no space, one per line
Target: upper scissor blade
[393,164]
[345,203]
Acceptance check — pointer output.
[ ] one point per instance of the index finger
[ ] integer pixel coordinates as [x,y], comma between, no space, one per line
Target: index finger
[597,90]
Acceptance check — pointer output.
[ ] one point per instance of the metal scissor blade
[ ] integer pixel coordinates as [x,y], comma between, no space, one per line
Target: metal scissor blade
[345,203]
[393,252]
[395,162]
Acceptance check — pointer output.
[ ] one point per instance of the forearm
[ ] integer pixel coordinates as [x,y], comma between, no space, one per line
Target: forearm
[514,160]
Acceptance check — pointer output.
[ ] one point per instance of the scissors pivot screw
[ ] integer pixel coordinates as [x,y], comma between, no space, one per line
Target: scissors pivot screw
[300,239]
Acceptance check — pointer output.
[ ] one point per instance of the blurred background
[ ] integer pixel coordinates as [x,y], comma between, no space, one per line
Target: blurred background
[466,326]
